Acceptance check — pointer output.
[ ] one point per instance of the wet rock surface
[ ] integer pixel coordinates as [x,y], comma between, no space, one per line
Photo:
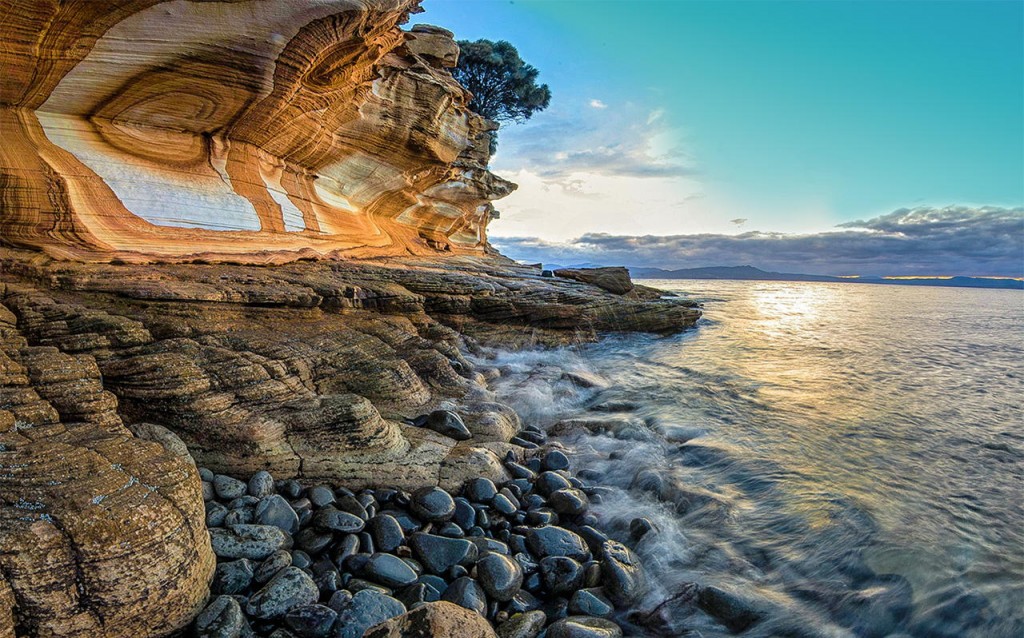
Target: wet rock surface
[410,560]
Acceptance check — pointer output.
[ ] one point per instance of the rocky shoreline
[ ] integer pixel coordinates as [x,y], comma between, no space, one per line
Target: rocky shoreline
[309,561]
[117,376]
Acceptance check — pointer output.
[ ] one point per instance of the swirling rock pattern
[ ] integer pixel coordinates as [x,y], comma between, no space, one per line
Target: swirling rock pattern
[255,130]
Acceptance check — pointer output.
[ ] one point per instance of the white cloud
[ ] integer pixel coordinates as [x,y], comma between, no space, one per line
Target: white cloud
[598,104]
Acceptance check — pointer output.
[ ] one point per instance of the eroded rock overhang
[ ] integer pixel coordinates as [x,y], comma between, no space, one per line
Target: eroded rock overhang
[259,131]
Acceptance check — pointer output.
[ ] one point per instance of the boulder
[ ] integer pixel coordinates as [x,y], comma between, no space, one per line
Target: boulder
[434,620]
[613,279]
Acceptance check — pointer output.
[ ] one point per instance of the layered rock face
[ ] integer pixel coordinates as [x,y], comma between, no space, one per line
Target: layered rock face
[263,130]
[86,509]
[309,369]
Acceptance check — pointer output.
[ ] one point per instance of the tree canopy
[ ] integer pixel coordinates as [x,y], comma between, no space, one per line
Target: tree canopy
[504,87]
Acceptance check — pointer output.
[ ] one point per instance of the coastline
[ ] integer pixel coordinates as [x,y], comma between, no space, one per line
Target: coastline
[307,370]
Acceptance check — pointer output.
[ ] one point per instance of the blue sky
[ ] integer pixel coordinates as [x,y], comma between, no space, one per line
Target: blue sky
[694,118]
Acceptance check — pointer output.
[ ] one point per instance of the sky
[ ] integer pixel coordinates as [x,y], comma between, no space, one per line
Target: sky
[777,133]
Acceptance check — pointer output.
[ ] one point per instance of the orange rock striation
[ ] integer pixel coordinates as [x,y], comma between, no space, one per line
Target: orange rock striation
[262,130]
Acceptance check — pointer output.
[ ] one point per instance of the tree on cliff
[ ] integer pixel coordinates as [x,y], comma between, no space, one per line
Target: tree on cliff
[504,87]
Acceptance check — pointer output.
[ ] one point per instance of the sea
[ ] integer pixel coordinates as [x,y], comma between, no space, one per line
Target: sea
[826,459]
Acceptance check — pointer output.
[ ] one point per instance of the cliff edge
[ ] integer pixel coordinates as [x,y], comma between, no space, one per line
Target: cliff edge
[264,130]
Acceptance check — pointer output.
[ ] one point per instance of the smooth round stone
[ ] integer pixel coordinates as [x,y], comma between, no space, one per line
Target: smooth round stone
[548,482]
[311,621]
[512,493]
[527,624]
[639,527]
[465,514]
[555,460]
[366,544]
[490,545]
[389,570]
[523,443]
[356,562]
[336,520]
[591,573]
[232,577]
[594,538]
[215,514]
[480,490]
[329,582]
[313,541]
[649,481]
[561,574]
[584,627]
[439,553]
[359,584]
[500,576]
[208,493]
[261,484]
[417,593]
[243,501]
[275,510]
[405,520]
[503,505]
[206,474]
[366,609]
[301,559]
[569,501]
[288,488]
[520,472]
[254,542]
[339,600]
[290,588]
[222,618]
[541,516]
[555,541]
[347,546]
[466,592]
[272,565]
[432,504]
[238,517]
[387,533]
[451,530]
[321,495]
[348,503]
[517,544]
[526,563]
[590,602]
[621,573]
[436,583]
[449,424]
[457,571]
[522,602]
[227,488]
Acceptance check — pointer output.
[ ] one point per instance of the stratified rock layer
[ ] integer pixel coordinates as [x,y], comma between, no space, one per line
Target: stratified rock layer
[261,129]
[308,369]
[86,509]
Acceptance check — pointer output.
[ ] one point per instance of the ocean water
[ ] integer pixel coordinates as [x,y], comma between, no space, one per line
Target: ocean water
[843,460]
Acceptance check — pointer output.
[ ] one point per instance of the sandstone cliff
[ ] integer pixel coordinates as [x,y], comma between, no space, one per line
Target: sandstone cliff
[261,129]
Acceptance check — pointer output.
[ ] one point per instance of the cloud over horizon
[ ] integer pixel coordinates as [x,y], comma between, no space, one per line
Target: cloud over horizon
[954,240]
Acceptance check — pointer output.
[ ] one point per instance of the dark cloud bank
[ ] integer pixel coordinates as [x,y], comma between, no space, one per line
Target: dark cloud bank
[956,240]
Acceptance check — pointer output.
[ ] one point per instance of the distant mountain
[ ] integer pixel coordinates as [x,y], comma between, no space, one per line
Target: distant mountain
[752,273]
